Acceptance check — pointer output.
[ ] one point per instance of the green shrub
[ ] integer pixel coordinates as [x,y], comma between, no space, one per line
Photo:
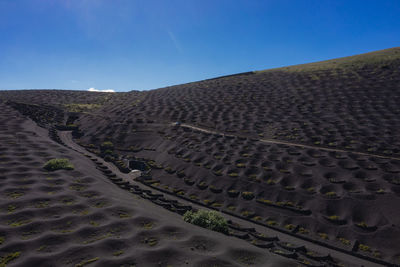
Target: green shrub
[323,236]
[363,247]
[233,193]
[333,218]
[248,195]
[108,152]
[107,145]
[208,219]
[233,174]
[9,257]
[169,170]
[202,185]
[57,164]
[108,158]
[181,174]
[345,241]
[218,173]
[240,165]
[331,194]
[290,226]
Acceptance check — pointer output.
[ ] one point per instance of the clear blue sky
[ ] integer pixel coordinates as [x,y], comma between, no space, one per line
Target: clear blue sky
[146,44]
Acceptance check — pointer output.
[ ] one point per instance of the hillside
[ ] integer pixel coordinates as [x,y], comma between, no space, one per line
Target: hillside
[308,153]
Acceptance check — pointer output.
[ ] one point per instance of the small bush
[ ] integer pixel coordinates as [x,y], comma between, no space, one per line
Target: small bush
[109,158]
[181,174]
[248,195]
[362,225]
[364,248]
[333,218]
[57,164]
[290,226]
[202,185]
[345,241]
[233,193]
[233,174]
[208,219]
[217,173]
[9,257]
[215,189]
[323,236]
[331,194]
[107,145]
[169,170]
[311,190]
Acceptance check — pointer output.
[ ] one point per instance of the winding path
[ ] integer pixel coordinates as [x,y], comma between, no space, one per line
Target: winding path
[279,142]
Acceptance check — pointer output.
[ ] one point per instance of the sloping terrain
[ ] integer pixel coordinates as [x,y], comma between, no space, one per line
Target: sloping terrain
[310,151]
[354,106]
[78,217]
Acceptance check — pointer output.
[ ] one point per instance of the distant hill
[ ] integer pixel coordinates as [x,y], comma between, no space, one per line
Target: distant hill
[382,58]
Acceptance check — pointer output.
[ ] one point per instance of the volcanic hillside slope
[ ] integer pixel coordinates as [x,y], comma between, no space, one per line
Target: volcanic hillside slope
[311,151]
[79,218]
[353,104]
[231,161]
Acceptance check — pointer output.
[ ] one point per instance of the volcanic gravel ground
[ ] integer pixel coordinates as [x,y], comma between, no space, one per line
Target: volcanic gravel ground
[78,217]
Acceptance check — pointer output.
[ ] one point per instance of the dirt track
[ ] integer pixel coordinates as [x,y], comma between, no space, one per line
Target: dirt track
[273,141]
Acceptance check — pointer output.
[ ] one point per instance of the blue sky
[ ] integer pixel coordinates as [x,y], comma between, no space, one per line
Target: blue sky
[139,45]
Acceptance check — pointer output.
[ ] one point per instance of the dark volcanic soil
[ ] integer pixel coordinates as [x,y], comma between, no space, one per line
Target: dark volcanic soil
[67,218]
[310,152]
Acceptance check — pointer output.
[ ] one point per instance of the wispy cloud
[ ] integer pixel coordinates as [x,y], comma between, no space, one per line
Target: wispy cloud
[175,41]
[103,91]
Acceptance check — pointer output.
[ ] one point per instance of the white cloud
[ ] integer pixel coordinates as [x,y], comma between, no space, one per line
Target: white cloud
[103,91]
